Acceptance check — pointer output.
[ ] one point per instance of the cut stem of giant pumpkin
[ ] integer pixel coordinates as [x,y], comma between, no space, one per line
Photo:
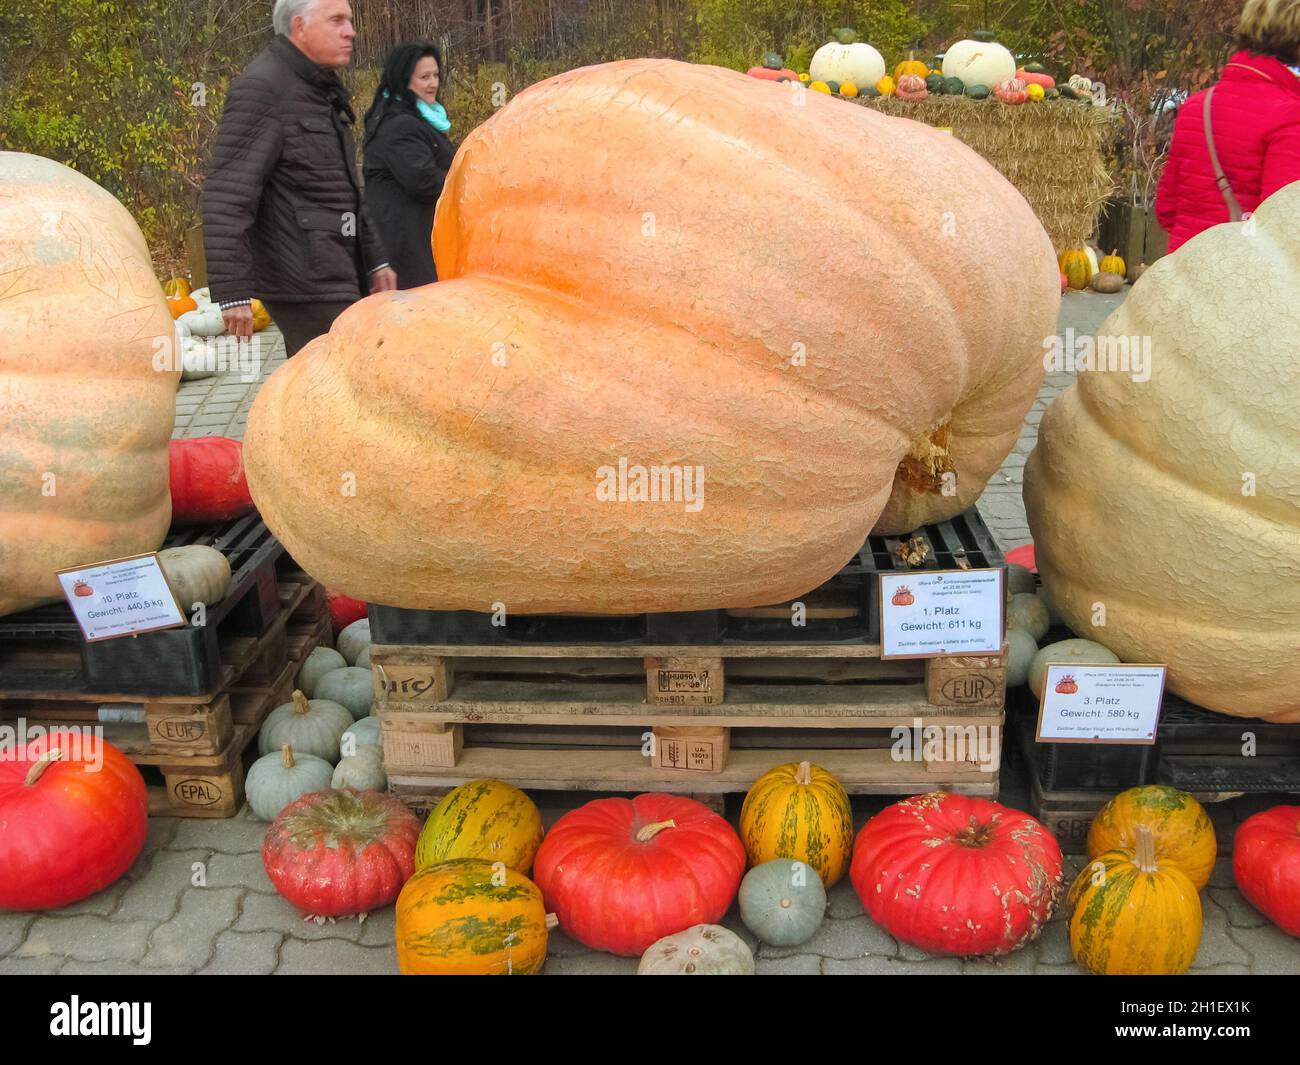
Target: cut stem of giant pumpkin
[929,459]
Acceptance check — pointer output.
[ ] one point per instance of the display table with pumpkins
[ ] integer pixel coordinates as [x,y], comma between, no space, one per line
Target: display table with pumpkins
[478,485]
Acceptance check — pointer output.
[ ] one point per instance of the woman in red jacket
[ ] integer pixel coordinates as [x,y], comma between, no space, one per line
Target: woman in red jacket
[1255,122]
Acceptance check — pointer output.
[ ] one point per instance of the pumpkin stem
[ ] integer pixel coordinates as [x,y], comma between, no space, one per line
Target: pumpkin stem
[928,460]
[974,834]
[41,765]
[286,753]
[552,921]
[300,704]
[648,832]
[1146,850]
[803,775]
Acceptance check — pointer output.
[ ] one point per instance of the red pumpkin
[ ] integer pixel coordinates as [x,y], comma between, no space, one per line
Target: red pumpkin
[1065,282]
[1030,78]
[71,820]
[771,74]
[622,873]
[957,875]
[1012,91]
[1266,865]
[344,610]
[911,87]
[207,480]
[341,851]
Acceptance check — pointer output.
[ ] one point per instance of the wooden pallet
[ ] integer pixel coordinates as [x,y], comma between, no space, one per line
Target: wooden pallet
[187,724]
[645,717]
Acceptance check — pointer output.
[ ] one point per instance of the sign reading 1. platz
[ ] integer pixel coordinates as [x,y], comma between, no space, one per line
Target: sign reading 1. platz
[1101,704]
[928,613]
[120,598]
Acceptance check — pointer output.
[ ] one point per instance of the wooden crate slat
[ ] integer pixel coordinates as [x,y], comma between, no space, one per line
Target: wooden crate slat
[623,770]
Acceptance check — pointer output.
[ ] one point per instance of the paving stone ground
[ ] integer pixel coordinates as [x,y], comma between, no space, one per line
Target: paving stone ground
[198,900]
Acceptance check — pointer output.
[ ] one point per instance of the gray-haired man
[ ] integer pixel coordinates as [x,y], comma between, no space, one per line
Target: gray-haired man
[283,216]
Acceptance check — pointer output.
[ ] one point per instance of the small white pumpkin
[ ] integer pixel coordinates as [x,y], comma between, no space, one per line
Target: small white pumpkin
[277,779]
[847,59]
[701,950]
[310,727]
[350,686]
[354,639]
[363,770]
[196,573]
[205,321]
[979,63]
[1019,579]
[322,660]
[363,733]
[1073,652]
[363,659]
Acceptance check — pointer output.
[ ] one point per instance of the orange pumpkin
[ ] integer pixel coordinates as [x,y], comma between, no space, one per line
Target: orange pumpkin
[84,415]
[584,299]
[179,305]
[911,65]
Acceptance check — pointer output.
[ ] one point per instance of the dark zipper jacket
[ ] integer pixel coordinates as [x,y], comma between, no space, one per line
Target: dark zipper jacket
[283,217]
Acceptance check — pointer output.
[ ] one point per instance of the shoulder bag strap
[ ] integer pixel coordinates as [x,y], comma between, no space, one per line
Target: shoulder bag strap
[1225,187]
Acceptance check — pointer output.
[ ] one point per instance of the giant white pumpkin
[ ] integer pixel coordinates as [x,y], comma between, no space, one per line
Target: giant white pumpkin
[84,416]
[846,60]
[613,299]
[1175,502]
[979,63]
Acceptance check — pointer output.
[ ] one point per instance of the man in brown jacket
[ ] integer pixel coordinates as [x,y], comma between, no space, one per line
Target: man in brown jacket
[283,216]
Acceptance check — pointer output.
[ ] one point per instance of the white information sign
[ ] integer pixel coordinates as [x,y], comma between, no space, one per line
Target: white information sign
[1101,704]
[928,613]
[121,598]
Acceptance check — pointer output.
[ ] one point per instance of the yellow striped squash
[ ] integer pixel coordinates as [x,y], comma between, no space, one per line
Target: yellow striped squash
[467,917]
[486,819]
[1132,914]
[799,811]
[1179,824]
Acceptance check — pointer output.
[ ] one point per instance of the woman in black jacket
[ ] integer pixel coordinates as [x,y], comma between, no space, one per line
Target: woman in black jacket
[407,155]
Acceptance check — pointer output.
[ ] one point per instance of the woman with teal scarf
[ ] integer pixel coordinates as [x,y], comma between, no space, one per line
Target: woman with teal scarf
[408,152]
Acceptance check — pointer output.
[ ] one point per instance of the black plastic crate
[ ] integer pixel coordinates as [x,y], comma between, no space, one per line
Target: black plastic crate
[182,661]
[965,540]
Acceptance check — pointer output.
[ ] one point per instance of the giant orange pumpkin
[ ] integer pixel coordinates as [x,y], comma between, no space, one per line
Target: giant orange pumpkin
[84,415]
[639,269]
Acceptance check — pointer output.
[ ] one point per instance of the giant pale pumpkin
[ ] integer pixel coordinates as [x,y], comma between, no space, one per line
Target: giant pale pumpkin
[639,269]
[84,415]
[1175,501]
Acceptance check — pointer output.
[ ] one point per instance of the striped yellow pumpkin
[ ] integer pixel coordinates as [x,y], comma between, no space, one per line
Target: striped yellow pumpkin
[467,917]
[486,819]
[1179,824]
[1132,914]
[799,811]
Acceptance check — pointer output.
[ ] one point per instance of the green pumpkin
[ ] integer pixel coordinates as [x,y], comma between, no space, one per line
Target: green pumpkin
[353,640]
[1021,648]
[953,87]
[934,83]
[1019,579]
[1053,94]
[322,660]
[869,91]
[277,779]
[782,902]
[1067,93]
[363,770]
[977,92]
[1034,68]
[350,686]
[834,87]
[1074,652]
[1026,611]
[772,61]
[701,950]
[309,726]
[363,733]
